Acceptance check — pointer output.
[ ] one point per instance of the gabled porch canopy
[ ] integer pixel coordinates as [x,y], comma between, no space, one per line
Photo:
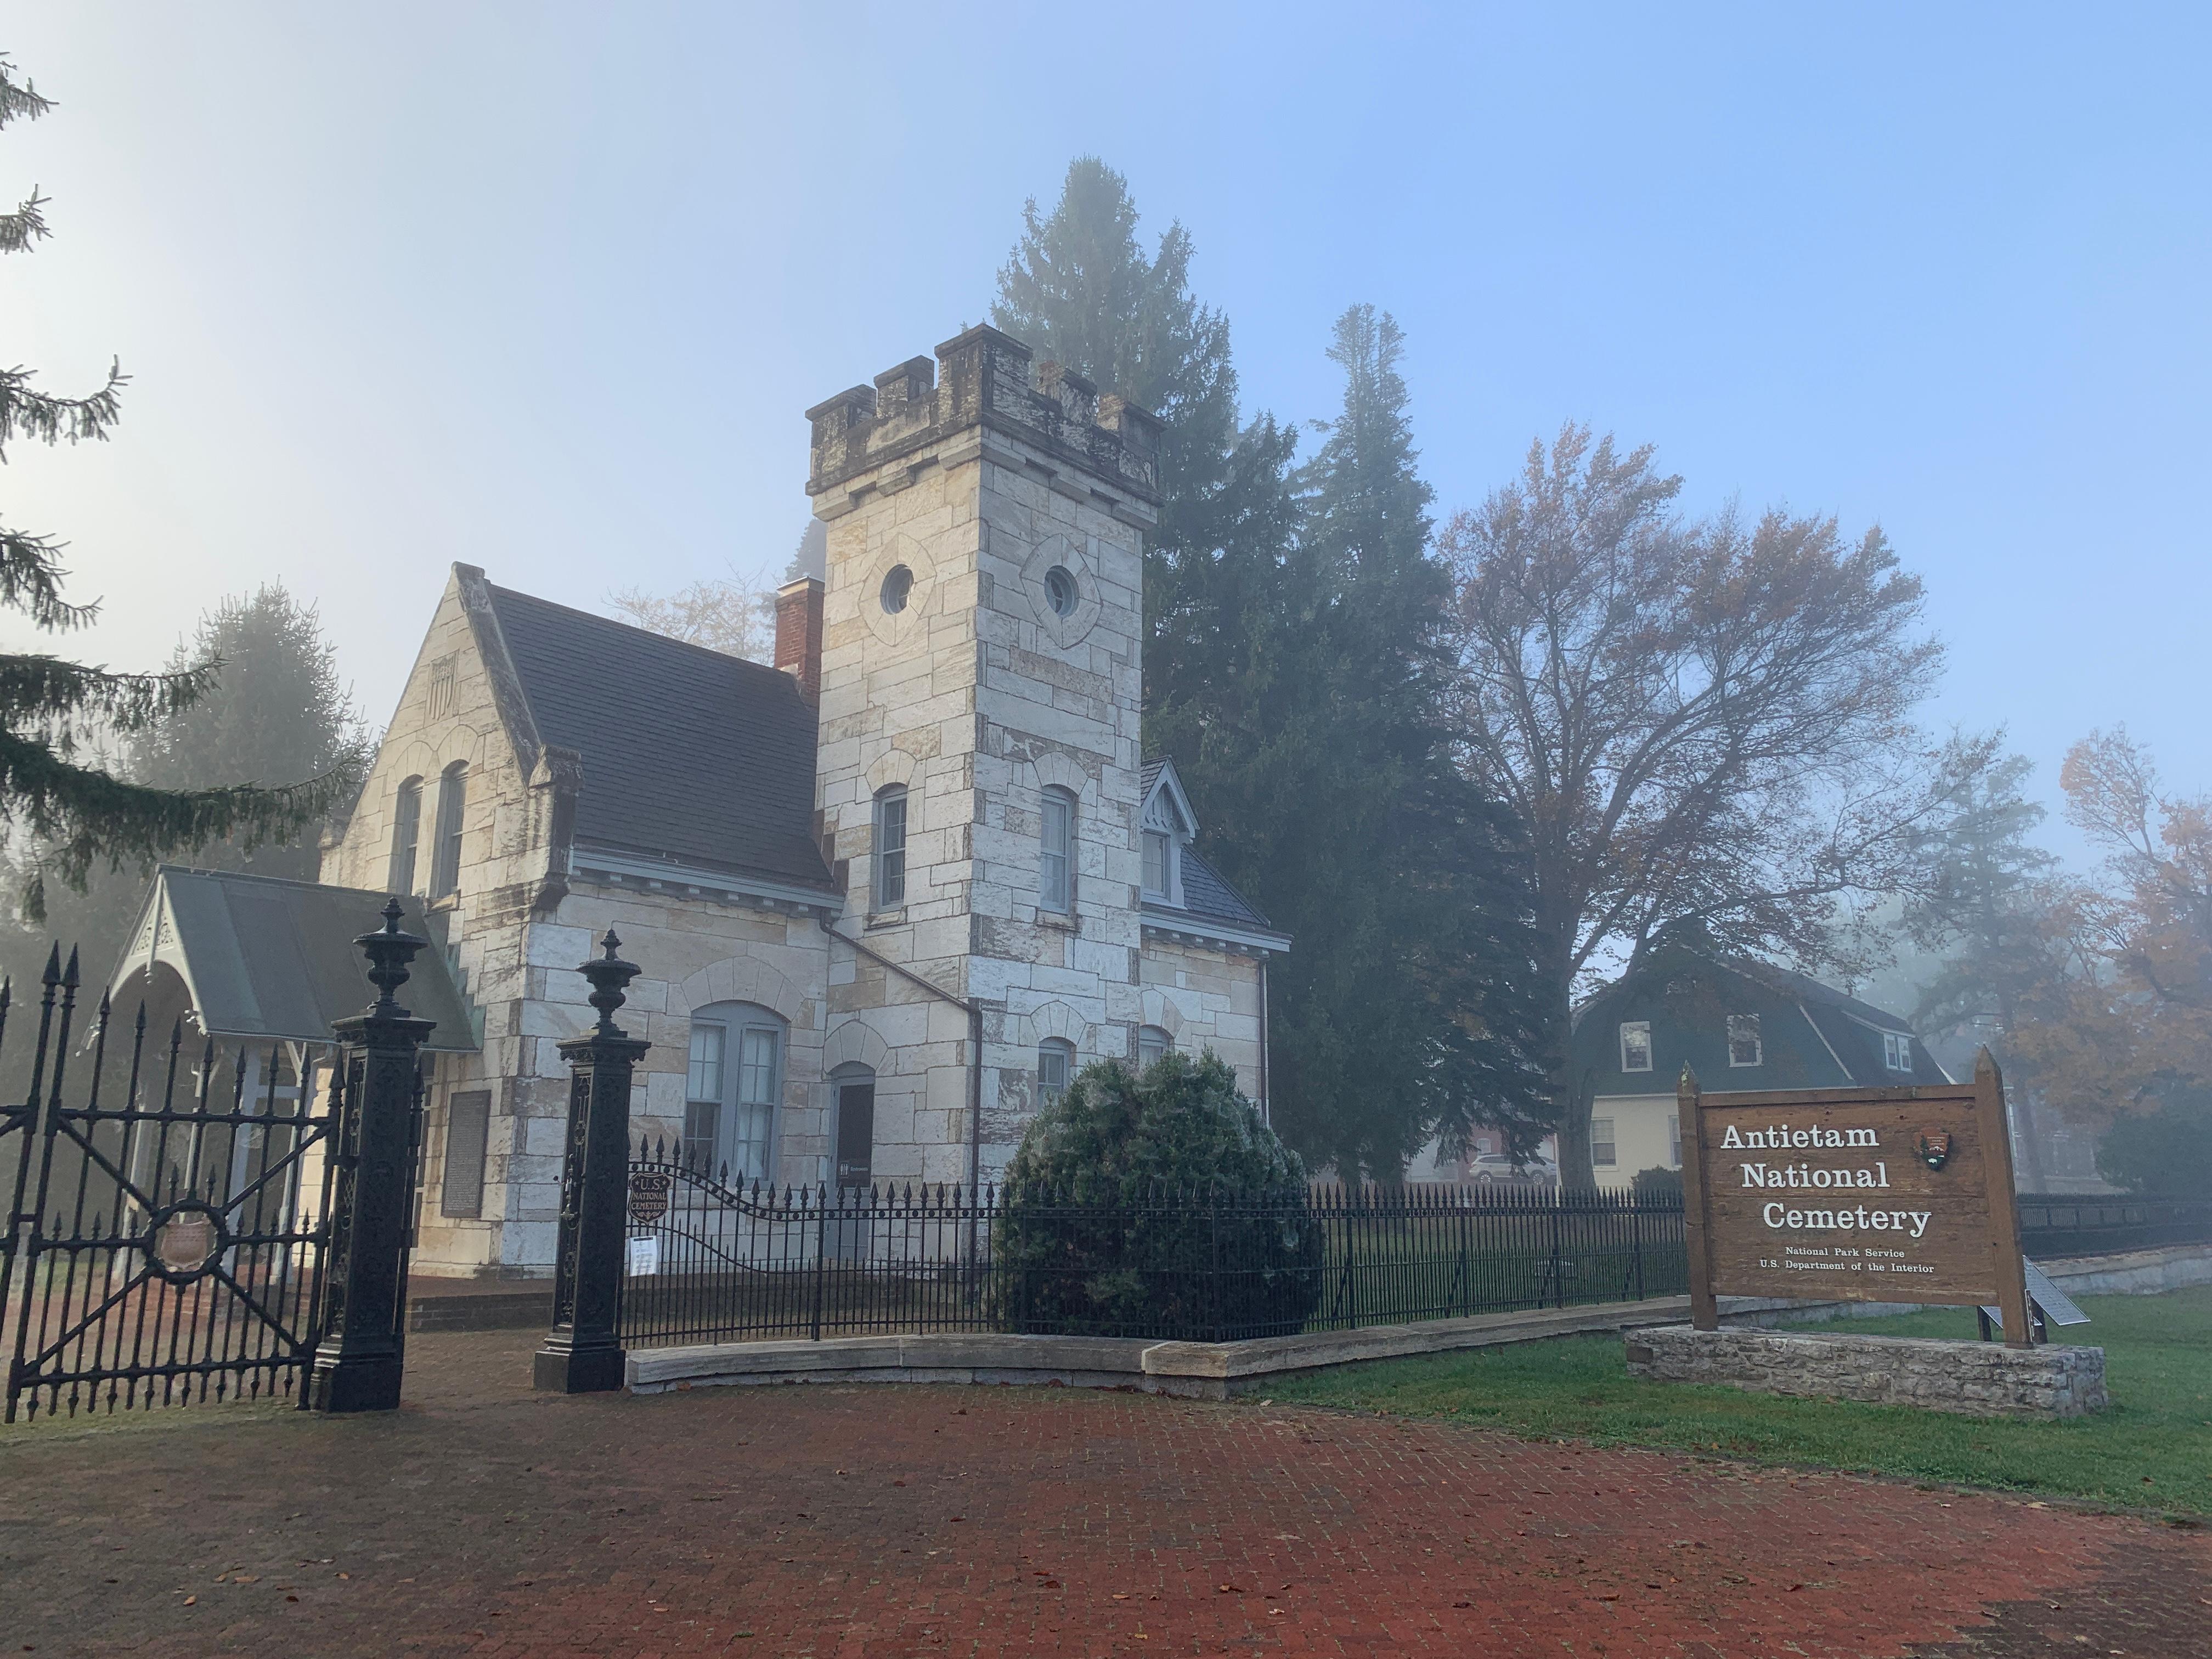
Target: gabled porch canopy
[272,959]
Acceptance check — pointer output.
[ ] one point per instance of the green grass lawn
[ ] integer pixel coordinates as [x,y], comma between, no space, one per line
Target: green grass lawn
[2152,1448]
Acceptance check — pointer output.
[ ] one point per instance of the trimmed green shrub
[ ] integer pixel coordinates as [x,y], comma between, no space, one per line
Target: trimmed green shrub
[1155,1205]
[1656,1183]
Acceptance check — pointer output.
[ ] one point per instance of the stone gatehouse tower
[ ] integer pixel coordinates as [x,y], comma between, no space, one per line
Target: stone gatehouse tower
[886,893]
[979,671]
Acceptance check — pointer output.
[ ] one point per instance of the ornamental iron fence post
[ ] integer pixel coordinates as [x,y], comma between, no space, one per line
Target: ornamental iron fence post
[583,1352]
[361,1358]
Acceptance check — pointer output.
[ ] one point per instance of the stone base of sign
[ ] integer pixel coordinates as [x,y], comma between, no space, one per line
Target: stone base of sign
[1979,1379]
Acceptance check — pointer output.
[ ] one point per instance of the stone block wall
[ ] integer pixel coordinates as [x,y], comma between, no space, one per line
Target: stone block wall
[1977,1379]
[1204,999]
[453,710]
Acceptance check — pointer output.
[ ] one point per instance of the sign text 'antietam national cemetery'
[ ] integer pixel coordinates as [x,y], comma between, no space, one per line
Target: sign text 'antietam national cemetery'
[1853,1194]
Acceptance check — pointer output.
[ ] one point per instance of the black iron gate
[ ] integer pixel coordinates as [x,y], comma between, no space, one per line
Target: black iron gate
[169,1212]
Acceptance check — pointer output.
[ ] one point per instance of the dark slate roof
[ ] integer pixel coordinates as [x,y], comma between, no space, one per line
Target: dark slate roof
[689,755]
[1150,776]
[266,957]
[1208,897]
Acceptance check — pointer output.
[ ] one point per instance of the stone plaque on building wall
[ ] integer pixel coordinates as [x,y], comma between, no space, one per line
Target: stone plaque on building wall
[1853,1194]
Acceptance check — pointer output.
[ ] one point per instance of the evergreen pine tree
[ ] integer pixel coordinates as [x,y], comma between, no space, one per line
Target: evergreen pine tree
[1292,668]
[278,709]
[56,716]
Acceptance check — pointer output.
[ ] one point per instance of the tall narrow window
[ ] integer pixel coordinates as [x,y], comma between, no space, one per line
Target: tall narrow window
[1156,864]
[1055,1055]
[702,1095]
[1636,1045]
[1743,1040]
[406,833]
[1674,1139]
[1152,1043]
[1055,853]
[1604,1150]
[445,851]
[890,848]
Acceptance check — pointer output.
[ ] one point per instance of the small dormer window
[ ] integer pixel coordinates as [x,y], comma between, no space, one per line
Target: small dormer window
[1157,856]
[1897,1051]
[1744,1048]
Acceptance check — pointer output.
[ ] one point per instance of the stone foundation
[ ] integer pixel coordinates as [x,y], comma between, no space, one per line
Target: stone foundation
[1979,1379]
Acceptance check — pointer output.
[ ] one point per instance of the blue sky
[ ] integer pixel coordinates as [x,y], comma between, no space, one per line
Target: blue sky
[544,288]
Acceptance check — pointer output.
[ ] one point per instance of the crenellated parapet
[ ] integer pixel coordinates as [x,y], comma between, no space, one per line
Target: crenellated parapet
[983,379]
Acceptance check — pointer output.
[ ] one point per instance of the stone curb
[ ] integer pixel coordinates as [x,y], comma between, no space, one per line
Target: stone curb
[1210,1370]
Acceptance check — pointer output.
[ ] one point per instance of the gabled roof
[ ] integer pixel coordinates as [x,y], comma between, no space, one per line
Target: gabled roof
[1161,786]
[689,755]
[1828,1035]
[264,957]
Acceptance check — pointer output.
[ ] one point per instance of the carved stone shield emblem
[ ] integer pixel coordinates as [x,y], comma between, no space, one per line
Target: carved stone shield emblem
[1934,1148]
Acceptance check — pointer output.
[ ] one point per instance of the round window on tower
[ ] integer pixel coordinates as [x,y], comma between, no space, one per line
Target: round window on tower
[1059,590]
[899,582]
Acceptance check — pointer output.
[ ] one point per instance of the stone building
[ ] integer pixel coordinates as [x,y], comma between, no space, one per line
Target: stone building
[885,895]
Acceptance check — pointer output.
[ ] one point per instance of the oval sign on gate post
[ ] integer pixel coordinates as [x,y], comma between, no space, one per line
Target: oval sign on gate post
[649,1197]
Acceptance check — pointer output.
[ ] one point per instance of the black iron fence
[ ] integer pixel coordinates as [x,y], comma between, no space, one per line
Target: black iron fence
[2055,1226]
[712,1260]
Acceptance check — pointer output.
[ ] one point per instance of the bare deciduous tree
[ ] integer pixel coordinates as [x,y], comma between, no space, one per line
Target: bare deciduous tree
[734,614]
[1700,722]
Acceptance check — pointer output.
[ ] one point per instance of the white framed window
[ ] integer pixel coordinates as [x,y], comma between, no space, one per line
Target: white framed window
[1605,1152]
[702,1095]
[1056,1061]
[1636,1045]
[1897,1051]
[1152,1043]
[1056,853]
[406,835]
[1156,864]
[731,1086]
[1744,1048]
[890,847]
[1674,1139]
[445,850]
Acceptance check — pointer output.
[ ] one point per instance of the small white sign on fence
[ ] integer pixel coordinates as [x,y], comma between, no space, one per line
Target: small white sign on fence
[644,1257]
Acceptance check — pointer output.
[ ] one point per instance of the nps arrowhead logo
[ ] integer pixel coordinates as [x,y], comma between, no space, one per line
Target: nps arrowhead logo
[1934,1148]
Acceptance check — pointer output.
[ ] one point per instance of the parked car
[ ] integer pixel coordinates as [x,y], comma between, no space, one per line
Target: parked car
[1490,1167]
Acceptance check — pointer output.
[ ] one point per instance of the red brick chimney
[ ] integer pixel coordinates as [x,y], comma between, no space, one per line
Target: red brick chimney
[799,635]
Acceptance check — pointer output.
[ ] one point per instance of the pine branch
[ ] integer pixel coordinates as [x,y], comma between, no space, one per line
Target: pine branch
[41,689]
[18,103]
[56,420]
[19,229]
[31,580]
[83,817]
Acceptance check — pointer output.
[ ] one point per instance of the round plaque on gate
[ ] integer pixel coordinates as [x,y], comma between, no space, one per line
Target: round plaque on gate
[185,1239]
[649,1197]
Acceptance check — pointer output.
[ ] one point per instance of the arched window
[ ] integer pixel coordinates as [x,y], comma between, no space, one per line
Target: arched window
[731,1089]
[1056,853]
[1151,1043]
[1056,1061]
[890,847]
[446,848]
[406,835]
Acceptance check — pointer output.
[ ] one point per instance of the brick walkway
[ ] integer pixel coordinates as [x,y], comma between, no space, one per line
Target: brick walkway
[853,1521]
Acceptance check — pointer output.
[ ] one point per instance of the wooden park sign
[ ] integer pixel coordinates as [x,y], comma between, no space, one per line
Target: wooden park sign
[1854,1195]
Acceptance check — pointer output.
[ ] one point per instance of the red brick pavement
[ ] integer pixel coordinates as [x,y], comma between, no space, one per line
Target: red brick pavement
[878,1521]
